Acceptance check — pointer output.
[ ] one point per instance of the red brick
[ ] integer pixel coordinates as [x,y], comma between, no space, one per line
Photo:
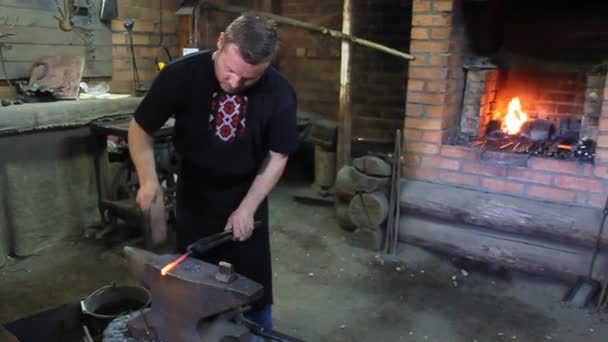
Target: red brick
[421,147]
[459,178]
[578,183]
[581,198]
[601,155]
[431,20]
[435,137]
[587,170]
[427,73]
[420,33]
[426,124]
[421,59]
[603,125]
[439,60]
[430,46]
[437,86]
[421,173]
[426,98]
[481,169]
[459,152]
[443,5]
[526,175]
[421,6]
[412,134]
[6,91]
[597,200]
[415,85]
[602,141]
[414,109]
[440,33]
[605,108]
[558,166]
[601,172]
[122,75]
[436,111]
[502,186]
[551,194]
[121,64]
[411,160]
[440,163]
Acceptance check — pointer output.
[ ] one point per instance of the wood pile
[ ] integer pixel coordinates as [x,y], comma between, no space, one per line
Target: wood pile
[362,200]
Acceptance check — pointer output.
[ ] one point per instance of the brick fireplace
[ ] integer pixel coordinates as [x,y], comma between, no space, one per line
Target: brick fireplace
[472,58]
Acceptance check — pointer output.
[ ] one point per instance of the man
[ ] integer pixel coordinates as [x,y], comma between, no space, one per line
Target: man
[235,125]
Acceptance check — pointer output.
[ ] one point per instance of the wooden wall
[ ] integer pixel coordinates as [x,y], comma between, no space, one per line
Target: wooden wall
[37,33]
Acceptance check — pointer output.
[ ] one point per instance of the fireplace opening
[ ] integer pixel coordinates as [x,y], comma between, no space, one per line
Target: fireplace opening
[534,78]
[547,114]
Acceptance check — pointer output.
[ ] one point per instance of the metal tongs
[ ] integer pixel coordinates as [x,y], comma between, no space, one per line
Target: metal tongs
[202,246]
[209,242]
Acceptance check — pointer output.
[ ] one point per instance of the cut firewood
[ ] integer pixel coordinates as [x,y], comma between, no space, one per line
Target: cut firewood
[349,182]
[368,210]
[372,166]
[342,215]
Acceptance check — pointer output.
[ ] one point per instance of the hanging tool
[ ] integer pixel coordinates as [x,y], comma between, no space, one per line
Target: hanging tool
[160,62]
[202,246]
[129,23]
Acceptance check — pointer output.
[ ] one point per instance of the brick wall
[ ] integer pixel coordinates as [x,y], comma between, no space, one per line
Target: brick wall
[146,40]
[435,81]
[434,88]
[479,101]
[543,95]
[379,79]
[311,61]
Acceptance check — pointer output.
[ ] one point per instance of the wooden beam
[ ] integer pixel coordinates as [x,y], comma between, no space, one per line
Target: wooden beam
[345,106]
[304,25]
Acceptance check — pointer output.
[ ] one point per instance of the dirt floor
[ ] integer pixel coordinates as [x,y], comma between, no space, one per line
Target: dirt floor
[331,285]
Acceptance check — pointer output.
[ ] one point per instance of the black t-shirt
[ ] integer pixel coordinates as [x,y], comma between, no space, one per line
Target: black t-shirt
[222,138]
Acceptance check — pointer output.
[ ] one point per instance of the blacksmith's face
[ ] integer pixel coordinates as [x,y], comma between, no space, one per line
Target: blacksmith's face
[233,73]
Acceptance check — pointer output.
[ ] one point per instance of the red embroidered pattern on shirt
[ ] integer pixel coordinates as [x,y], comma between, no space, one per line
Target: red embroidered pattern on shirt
[227,117]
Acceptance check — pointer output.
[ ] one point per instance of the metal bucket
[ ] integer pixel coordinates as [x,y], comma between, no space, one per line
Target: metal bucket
[111,301]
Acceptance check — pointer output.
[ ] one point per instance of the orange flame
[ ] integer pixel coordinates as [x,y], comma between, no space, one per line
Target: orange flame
[173,264]
[514,118]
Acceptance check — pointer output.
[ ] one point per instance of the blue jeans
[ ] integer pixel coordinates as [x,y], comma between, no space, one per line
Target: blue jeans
[262,317]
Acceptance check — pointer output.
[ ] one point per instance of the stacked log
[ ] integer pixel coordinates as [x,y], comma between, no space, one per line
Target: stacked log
[361,193]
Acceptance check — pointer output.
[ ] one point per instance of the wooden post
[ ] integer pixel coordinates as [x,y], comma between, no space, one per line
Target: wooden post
[184,32]
[345,108]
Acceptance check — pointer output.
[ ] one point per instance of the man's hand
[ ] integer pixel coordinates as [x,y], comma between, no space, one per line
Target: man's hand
[151,201]
[241,223]
[147,194]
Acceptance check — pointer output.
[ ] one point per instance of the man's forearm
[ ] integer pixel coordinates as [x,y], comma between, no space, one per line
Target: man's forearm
[264,182]
[142,153]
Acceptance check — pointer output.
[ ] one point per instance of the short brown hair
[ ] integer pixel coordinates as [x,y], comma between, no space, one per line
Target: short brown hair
[256,37]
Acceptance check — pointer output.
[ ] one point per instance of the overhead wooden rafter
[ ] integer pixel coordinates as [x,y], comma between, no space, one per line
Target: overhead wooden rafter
[308,26]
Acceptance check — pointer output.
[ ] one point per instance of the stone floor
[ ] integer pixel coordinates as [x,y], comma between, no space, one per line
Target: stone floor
[331,285]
